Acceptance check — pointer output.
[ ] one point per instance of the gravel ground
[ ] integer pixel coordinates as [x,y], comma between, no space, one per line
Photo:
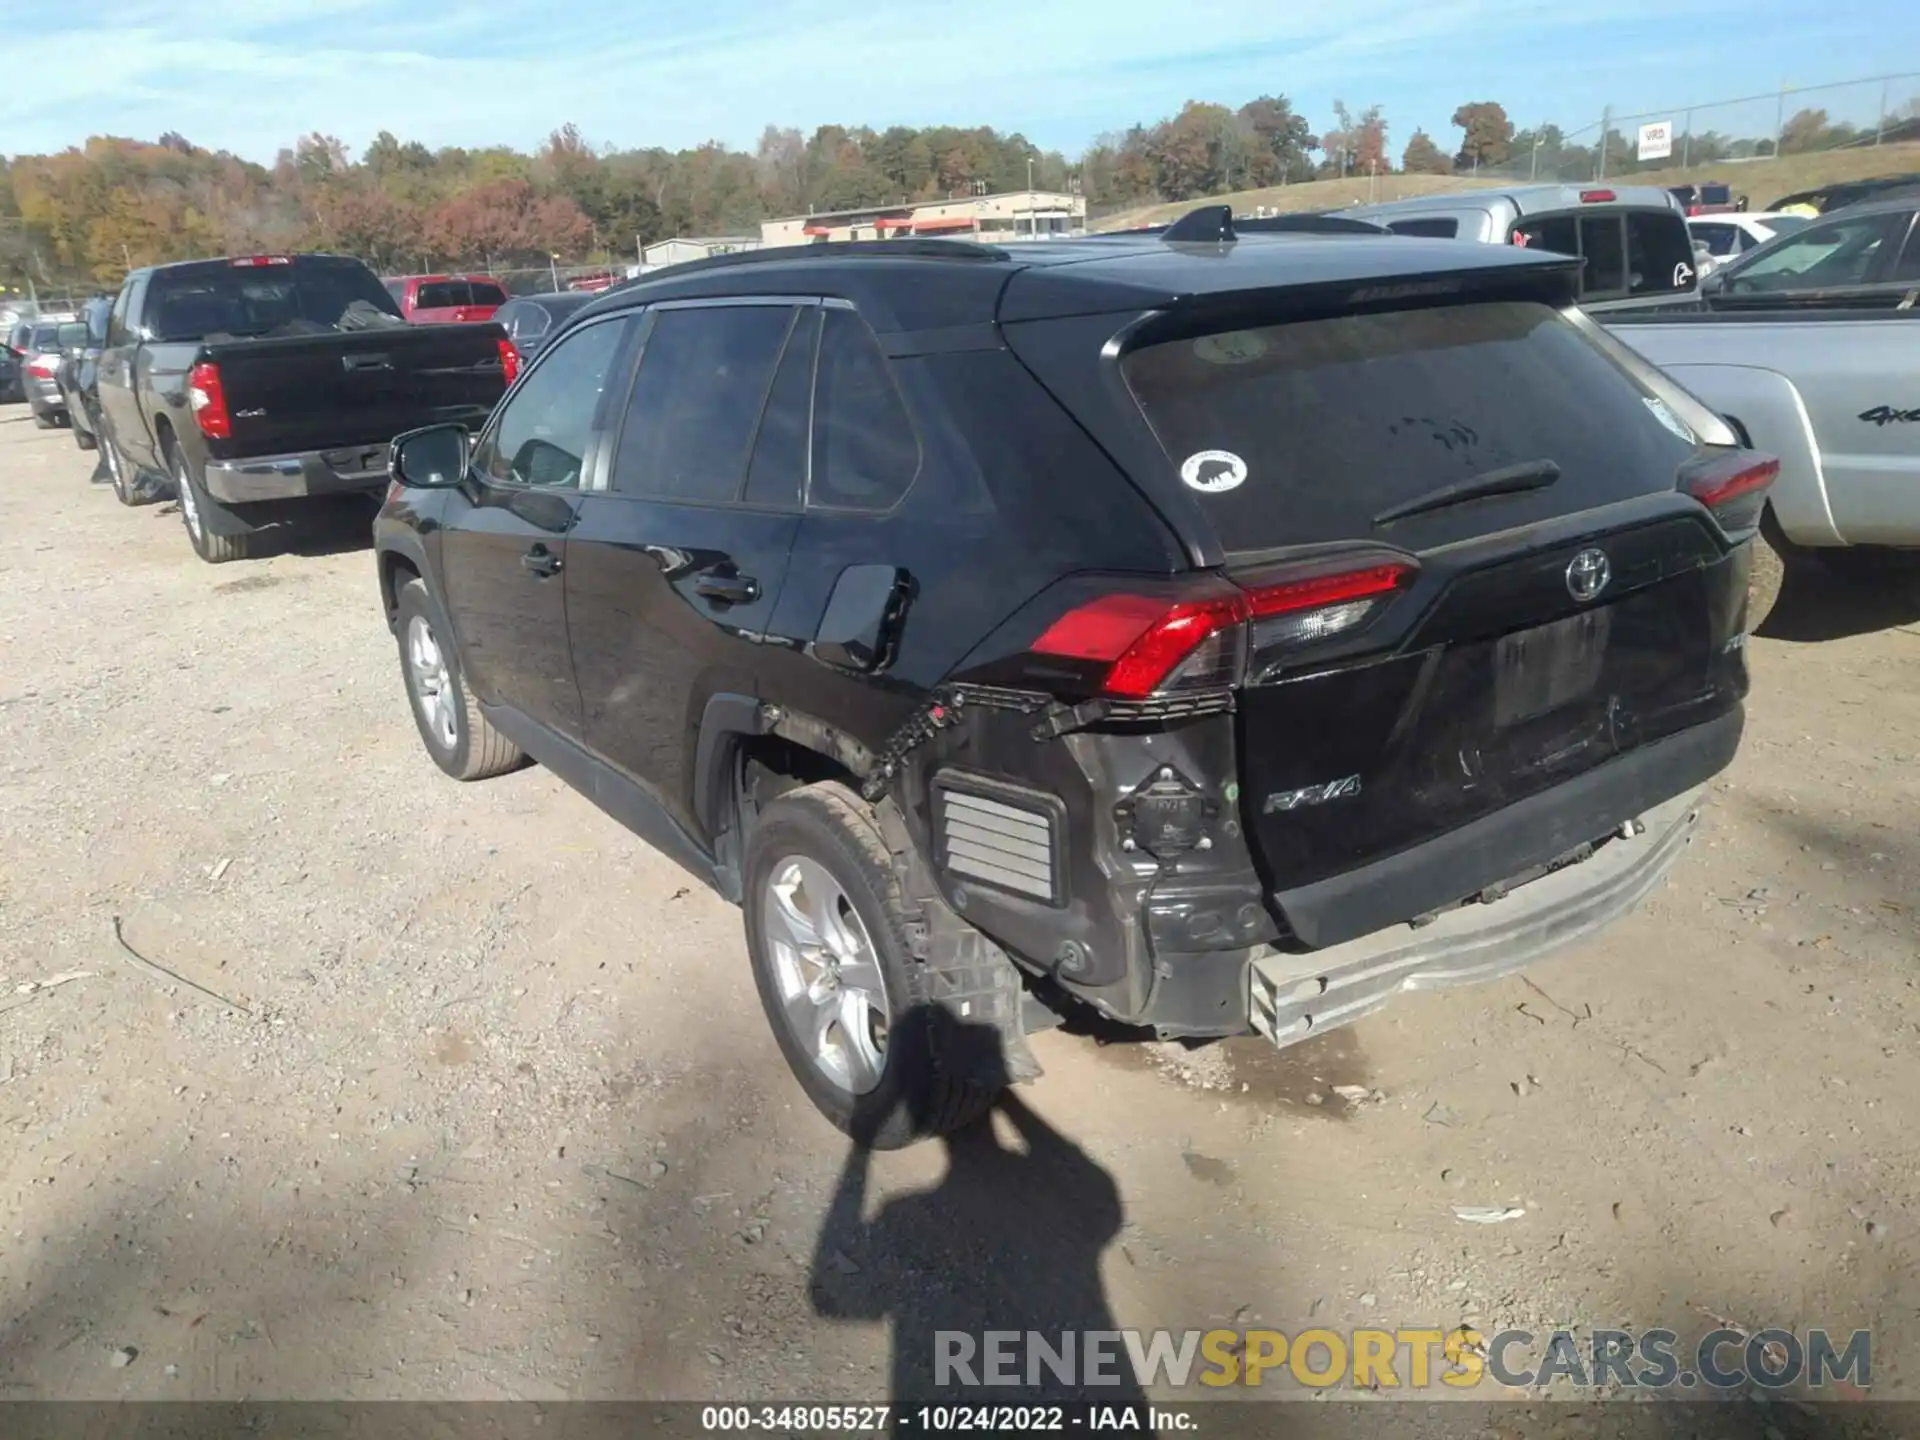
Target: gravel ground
[462,1092]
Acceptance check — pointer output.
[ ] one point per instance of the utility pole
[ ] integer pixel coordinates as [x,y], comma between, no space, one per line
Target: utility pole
[1033,218]
[553,259]
[1780,118]
[1686,143]
[1880,128]
[1606,128]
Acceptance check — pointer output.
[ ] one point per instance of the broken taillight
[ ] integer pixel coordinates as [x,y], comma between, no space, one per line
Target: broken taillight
[1733,484]
[1199,640]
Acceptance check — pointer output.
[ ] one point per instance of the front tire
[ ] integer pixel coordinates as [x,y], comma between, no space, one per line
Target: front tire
[849,1005]
[456,734]
[213,548]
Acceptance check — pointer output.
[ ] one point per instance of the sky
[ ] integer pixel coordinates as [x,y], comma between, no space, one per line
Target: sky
[251,75]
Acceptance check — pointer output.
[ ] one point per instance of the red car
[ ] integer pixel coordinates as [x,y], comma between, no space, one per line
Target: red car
[446,299]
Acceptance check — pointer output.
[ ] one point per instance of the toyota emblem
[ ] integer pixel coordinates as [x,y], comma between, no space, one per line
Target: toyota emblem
[1588,574]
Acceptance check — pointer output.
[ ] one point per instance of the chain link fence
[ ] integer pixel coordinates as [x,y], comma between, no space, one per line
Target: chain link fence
[1779,124]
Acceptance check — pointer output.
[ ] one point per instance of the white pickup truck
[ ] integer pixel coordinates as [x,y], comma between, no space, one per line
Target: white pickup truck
[1836,395]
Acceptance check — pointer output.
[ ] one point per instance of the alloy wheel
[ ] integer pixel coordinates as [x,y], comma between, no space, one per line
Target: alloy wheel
[432,683]
[832,993]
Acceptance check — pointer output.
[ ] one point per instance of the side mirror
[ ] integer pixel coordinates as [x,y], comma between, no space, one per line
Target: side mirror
[433,457]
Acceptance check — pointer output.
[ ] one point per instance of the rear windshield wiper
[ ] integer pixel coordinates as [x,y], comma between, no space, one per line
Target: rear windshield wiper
[1508,480]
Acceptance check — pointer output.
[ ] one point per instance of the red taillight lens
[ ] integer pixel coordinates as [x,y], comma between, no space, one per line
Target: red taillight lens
[1200,641]
[208,399]
[44,366]
[509,360]
[1734,486]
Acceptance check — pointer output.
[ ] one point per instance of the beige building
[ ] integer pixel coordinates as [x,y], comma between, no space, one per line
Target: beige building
[682,248]
[1018,215]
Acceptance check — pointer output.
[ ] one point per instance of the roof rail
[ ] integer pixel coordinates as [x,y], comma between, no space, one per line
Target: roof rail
[913,248]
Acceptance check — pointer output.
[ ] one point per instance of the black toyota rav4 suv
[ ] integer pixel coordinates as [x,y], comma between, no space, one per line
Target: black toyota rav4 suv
[1219,631]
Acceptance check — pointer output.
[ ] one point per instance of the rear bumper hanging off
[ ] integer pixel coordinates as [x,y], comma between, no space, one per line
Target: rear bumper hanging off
[1297,996]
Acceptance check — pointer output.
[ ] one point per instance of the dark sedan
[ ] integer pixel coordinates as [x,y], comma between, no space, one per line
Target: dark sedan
[531,320]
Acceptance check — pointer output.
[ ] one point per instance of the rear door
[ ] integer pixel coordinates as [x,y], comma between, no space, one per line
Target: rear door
[675,568]
[1502,670]
[505,532]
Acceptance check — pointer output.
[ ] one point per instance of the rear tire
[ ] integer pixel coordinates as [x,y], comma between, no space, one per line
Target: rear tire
[41,419]
[84,439]
[821,836]
[118,472]
[213,548]
[456,734]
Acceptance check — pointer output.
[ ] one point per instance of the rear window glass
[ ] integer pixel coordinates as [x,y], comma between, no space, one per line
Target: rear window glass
[1715,195]
[1302,433]
[297,299]
[1628,252]
[441,295]
[485,294]
[45,337]
[1436,226]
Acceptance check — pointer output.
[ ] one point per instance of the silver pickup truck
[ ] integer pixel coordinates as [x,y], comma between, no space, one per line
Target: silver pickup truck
[1834,394]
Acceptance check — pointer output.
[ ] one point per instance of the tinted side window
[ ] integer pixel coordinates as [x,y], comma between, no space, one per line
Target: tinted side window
[1908,267]
[865,451]
[440,295]
[542,434]
[1438,227]
[703,380]
[1841,252]
[1719,239]
[777,474]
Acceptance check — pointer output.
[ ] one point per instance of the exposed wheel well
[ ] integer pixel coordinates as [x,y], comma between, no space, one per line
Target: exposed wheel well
[771,765]
[395,570]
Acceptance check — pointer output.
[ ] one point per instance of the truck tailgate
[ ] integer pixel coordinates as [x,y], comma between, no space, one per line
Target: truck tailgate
[290,394]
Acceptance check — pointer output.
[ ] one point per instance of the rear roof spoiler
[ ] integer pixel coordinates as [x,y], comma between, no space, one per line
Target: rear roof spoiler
[1216,225]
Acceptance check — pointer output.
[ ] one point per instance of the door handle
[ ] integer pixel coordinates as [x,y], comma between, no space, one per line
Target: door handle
[727,589]
[541,561]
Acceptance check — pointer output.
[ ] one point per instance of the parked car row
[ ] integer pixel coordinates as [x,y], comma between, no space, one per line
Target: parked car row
[770,555]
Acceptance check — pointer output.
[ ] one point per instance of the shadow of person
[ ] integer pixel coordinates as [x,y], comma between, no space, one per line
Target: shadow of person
[1009,1241]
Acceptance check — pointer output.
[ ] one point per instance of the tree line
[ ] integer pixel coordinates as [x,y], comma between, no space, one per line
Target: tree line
[87,214]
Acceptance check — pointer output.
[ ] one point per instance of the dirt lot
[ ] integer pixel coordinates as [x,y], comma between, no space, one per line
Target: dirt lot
[487,1108]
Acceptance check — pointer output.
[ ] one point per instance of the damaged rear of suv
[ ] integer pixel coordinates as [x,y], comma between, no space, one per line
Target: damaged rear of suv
[1223,632]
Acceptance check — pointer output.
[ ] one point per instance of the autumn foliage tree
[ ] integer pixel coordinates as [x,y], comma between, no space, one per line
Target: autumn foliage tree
[1486,135]
[1423,157]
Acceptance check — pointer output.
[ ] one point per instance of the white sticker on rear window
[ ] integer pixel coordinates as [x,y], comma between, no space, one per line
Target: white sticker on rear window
[1235,347]
[1213,471]
[1667,418]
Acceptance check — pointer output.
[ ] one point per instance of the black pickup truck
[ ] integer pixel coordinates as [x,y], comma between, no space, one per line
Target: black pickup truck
[250,387]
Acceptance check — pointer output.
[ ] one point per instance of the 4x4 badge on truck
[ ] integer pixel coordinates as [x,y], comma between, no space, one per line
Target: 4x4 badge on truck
[1588,574]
